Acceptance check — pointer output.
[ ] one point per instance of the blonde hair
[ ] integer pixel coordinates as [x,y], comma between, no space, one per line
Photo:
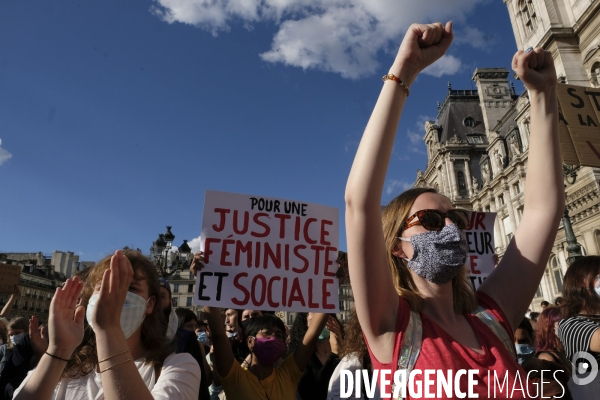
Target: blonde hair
[394,216]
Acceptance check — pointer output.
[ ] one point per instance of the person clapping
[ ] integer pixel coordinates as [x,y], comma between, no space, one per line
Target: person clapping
[122,353]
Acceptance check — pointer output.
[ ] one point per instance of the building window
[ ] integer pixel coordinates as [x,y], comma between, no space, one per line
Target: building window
[556,273]
[462,186]
[501,200]
[517,188]
[191,288]
[175,301]
[188,302]
[475,139]
[595,75]
[508,230]
[176,288]
[528,16]
[538,292]
[469,122]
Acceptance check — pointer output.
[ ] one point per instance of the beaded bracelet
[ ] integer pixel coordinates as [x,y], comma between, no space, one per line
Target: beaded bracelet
[119,363]
[393,77]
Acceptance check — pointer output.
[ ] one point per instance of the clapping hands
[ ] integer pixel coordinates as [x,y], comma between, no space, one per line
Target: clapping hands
[65,324]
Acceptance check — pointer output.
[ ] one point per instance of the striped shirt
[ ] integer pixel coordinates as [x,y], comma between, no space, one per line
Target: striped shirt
[576,333]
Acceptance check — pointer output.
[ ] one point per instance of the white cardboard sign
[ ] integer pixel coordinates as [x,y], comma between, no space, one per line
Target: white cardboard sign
[265,253]
[481,259]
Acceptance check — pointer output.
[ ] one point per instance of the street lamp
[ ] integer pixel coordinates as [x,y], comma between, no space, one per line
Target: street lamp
[160,253]
[573,248]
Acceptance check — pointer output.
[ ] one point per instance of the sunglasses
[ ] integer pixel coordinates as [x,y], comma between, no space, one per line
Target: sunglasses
[434,220]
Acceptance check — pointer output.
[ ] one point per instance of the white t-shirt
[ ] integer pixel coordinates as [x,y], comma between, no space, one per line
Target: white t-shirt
[179,379]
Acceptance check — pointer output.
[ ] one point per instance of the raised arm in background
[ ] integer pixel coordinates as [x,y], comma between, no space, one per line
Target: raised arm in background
[5,313]
[305,350]
[514,282]
[223,355]
[375,297]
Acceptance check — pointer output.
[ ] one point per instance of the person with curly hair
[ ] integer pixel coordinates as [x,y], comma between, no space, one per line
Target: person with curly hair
[122,353]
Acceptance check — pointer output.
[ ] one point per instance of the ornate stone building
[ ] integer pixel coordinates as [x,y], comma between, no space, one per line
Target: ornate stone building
[38,282]
[478,148]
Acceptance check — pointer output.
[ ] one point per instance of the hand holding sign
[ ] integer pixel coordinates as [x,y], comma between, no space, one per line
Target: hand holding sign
[535,69]
[197,263]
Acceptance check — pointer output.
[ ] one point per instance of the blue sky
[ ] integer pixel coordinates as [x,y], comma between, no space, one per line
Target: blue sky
[115,117]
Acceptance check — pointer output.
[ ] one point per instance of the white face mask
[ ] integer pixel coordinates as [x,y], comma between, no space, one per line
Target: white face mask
[173,325]
[132,314]
[14,338]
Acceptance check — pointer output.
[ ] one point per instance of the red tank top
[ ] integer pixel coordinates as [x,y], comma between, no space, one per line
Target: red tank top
[439,351]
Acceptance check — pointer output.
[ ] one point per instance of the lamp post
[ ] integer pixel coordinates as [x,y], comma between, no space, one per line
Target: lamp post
[160,253]
[573,248]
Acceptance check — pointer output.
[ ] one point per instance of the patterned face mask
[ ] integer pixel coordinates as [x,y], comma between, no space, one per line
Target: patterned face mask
[132,314]
[438,255]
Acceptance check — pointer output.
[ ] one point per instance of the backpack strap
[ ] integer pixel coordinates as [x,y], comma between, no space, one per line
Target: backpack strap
[410,346]
[487,318]
[413,338]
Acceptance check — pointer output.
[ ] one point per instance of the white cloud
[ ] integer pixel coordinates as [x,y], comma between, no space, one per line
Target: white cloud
[414,137]
[475,38]
[396,186]
[415,149]
[4,155]
[341,36]
[195,244]
[447,65]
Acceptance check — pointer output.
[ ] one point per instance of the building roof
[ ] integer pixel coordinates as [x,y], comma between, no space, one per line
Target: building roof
[459,107]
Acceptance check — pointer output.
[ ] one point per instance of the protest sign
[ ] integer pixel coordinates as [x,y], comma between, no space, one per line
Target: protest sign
[9,277]
[268,254]
[579,128]
[480,240]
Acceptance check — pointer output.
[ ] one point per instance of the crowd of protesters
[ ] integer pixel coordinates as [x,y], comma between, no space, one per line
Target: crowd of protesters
[113,332]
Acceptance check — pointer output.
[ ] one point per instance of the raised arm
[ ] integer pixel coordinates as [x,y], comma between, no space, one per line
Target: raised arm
[223,354]
[304,352]
[5,313]
[367,259]
[514,282]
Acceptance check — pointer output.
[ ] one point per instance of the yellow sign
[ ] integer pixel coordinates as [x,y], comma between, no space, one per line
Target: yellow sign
[579,126]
